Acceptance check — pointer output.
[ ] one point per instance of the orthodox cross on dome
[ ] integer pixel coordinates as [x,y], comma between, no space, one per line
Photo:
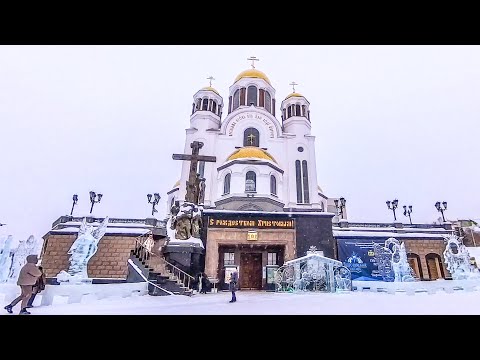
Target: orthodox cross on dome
[253,59]
[193,178]
[251,139]
[293,83]
[210,78]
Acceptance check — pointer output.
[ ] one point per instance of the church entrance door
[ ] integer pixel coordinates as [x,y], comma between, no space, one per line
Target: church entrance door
[251,271]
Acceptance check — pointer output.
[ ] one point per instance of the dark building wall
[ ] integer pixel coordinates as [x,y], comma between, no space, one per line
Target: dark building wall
[315,231]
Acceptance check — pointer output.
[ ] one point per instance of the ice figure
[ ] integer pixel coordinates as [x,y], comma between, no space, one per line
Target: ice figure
[24,249]
[457,259]
[343,279]
[6,258]
[392,261]
[83,248]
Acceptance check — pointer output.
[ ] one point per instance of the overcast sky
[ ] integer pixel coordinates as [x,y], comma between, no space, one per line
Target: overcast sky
[390,122]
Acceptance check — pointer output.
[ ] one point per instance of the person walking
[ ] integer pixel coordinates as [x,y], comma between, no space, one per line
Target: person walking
[233,285]
[26,280]
[38,287]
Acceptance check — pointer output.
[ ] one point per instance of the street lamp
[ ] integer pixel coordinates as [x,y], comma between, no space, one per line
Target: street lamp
[393,207]
[408,212]
[155,201]
[340,207]
[75,200]
[93,195]
[440,209]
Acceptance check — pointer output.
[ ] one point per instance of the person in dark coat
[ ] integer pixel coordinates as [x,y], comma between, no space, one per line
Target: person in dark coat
[27,278]
[38,287]
[233,285]
[206,284]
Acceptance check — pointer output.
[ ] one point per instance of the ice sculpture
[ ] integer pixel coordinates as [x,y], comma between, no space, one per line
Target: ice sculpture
[24,249]
[82,250]
[6,258]
[392,261]
[343,279]
[457,259]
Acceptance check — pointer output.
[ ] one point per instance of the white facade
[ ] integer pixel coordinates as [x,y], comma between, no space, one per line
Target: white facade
[262,163]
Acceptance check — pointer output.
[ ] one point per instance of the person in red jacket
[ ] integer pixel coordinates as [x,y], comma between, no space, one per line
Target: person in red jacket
[26,280]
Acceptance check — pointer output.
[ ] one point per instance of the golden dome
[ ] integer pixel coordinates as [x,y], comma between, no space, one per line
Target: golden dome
[252,73]
[177,184]
[294,94]
[210,89]
[251,152]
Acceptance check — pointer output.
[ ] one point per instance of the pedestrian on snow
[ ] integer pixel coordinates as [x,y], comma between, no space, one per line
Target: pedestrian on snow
[233,285]
[38,287]
[205,283]
[27,278]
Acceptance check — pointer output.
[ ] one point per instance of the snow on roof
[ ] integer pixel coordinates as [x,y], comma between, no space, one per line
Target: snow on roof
[110,230]
[316,256]
[316,213]
[110,224]
[347,233]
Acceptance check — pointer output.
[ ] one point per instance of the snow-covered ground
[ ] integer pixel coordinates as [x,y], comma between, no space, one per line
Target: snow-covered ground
[257,303]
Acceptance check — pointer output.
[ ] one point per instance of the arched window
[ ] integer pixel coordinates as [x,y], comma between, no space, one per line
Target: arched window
[304,111]
[242,96]
[236,100]
[415,264]
[251,137]
[252,95]
[289,112]
[199,104]
[284,114]
[205,104]
[250,182]
[226,184]
[261,97]
[298,177]
[306,193]
[273,185]
[214,107]
[193,108]
[172,202]
[273,107]
[434,266]
[297,110]
[268,102]
[229,104]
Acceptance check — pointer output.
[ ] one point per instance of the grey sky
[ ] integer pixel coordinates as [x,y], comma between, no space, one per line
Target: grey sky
[390,121]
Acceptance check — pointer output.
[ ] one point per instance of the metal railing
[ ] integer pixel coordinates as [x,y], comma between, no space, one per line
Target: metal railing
[143,250]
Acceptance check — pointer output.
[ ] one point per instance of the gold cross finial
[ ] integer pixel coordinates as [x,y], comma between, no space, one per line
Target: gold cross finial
[251,139]
[253,59]
[293,83]
[210,78]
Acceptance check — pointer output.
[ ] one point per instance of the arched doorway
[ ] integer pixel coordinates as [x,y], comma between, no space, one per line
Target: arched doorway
[415,264]
[434,266]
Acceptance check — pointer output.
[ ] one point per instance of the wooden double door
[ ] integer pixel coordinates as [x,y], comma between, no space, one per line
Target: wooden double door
[250,271]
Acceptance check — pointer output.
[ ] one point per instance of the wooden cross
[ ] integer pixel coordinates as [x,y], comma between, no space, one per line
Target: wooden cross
[193,177]
[253,59]
[293,83]
[210,78]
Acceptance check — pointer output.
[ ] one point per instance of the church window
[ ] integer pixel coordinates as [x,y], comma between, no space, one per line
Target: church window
[242,96]
[226,184]
[273,185]
[272,259]
[250,181]
[214,107]
[268,102]
[236,100]
[306,194]
[193,108]
[172,202]
[261,97]
[229,104]
[205,104]
[273,107]
[308,114]
[251,137]
[199,104]
[304,111]
[298,174]
[210,101]
[297,110]
[284,114]
[229,258]
[252,95]
[289,112]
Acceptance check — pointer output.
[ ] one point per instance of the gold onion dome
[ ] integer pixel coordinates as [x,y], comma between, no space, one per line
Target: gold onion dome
[294,94]
[252,73]
[251,152]
[209,88]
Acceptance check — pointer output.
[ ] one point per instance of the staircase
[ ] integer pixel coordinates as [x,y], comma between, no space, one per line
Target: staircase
[160,272]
